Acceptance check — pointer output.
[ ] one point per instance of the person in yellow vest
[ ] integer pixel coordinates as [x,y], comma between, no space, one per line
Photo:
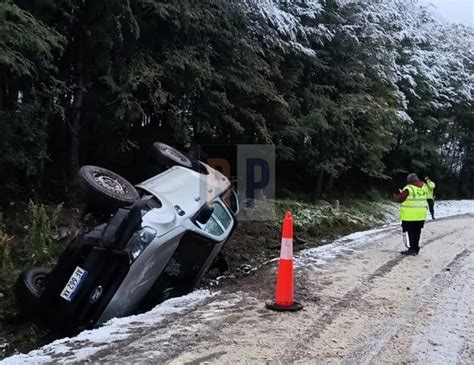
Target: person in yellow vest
[430,186]
[413,211]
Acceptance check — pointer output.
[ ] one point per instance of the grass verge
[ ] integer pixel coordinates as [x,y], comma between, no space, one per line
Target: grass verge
[316,223]
[27,238]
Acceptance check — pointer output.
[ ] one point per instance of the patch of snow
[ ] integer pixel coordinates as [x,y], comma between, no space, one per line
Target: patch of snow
[87,343]
[3,347]
[283,23]
[403,116]
[321,255]
[410,48]
[442,340]
[410,44]
[448,208]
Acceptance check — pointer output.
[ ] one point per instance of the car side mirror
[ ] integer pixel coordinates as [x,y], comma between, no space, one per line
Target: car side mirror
[205,213]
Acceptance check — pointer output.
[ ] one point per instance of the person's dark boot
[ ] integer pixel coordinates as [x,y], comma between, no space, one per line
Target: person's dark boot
[409,253]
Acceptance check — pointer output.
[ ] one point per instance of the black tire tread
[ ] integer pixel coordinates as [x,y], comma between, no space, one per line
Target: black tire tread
[100,196]
[28,296]
[164,159]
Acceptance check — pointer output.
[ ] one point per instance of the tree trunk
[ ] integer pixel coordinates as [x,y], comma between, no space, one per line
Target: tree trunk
[329,185]
[319,185]
[465,179]
[76,129]
[83,78]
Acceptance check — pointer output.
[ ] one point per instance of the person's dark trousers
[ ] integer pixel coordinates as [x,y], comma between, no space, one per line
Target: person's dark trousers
[431,206]
[414,232]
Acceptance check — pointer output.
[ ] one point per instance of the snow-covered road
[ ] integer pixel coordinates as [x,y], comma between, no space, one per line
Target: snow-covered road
[364,303]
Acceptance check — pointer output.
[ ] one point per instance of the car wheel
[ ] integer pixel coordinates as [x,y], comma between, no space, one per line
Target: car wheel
[106,189]
[28,289]
[170,156]
[220,263]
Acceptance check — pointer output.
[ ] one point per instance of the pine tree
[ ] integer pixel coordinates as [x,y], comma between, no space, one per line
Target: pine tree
[28,93]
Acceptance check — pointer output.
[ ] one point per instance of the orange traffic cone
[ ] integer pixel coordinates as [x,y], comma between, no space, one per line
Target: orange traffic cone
[284,300]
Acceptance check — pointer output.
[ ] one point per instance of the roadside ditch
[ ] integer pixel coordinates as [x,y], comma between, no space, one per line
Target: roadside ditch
[35,234]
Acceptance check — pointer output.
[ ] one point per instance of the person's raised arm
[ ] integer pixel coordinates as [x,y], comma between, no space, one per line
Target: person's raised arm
[401,196]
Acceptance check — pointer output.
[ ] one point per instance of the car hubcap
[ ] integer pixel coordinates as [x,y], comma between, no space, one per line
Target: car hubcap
[39,282]
[110,183]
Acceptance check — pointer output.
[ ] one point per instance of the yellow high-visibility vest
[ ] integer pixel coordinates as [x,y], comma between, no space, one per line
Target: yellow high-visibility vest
[430,185]
[415,206]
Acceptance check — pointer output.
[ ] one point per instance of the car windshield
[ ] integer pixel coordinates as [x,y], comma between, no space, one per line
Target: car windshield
[222,215]
[213,227]
[218,222]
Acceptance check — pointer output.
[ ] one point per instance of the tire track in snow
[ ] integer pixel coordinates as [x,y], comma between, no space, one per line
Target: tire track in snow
[324,321]
[376,342]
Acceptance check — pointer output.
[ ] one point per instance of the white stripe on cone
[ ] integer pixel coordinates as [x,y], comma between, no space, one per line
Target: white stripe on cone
[286,248]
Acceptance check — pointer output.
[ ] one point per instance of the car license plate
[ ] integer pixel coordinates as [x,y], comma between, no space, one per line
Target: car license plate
[74,284]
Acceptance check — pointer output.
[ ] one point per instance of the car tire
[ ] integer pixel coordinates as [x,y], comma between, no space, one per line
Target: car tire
[220,263]
[169,156]
[104,188]
[28,290]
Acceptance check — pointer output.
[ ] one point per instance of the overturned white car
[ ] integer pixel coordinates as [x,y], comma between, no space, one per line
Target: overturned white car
[164,236]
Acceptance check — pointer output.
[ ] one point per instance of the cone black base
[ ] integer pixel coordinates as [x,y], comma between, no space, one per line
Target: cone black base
[292,308]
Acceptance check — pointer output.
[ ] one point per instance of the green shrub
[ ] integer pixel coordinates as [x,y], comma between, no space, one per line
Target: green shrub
[39,242]
[6,263]
[336,226]
[322,220]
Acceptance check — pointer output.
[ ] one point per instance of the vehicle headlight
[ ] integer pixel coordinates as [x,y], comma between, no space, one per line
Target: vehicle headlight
[139,241]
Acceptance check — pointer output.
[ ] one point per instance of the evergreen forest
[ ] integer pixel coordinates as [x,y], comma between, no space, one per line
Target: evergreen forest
[353,94]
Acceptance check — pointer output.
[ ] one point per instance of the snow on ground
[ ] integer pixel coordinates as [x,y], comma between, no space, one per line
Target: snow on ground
[319,256]
[449,325]
[448,208]
[97,339]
